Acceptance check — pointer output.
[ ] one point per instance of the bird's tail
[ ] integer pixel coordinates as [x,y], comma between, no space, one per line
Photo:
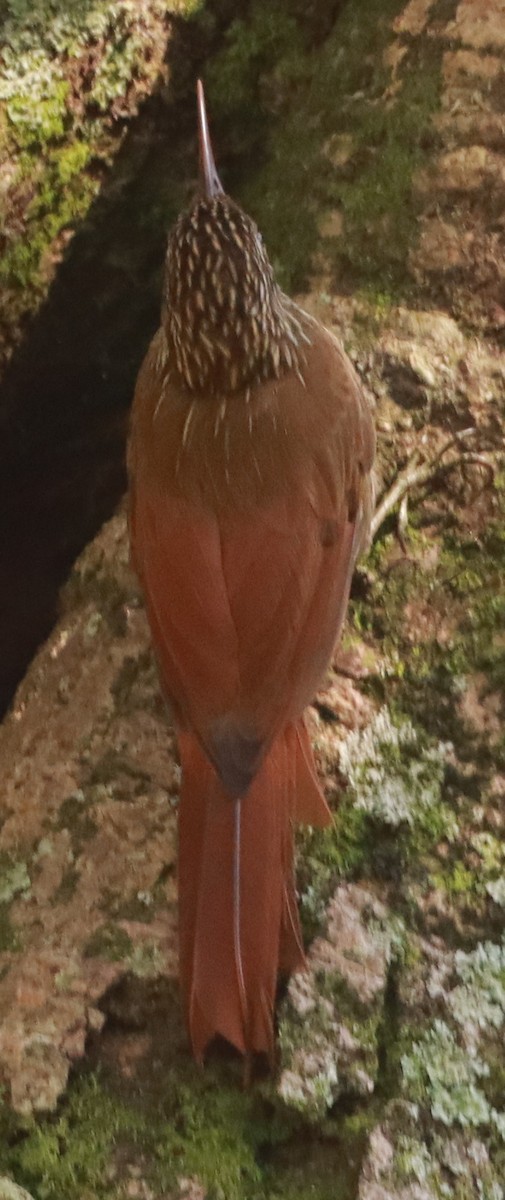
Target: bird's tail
[238,916]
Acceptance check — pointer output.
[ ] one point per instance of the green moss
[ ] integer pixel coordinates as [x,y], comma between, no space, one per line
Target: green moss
[134,908]
[194,1129]
[424,675]
[413,1161]
[19,266]
[218,1147]
[14,878]
[107,772]
[66,887]
[179,1122]
[455,1165]
[377,199]
[326,856]
[72,159]
[9,937]
[67,1158]
[391,816]
[440,1074]
[62,195]
[146,961]
[134,674]
[42,39]
[294,105]
[317,1170]
[478,999]
[325,1052]
[458,881]
[75,816]
[110,942]
[14,881]
[396,774]
[67,72]
[454,1069]
[252,46]
[36,117]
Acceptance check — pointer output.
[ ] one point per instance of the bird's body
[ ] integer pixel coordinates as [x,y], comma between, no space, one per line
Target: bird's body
[250,462]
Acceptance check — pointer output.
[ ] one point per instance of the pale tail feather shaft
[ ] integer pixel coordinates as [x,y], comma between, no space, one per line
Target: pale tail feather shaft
[237,941]
[238,918]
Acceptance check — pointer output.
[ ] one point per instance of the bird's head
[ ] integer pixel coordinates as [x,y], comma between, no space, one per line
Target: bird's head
[226,320]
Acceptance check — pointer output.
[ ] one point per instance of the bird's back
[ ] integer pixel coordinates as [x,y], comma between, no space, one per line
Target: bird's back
[225,452]
[248,513]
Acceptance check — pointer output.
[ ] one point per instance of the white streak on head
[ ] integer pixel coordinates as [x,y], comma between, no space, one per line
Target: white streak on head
[187,423]
[159,402]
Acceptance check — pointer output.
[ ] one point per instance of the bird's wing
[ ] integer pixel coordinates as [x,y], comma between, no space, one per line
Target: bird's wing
[245,605]
[179,556]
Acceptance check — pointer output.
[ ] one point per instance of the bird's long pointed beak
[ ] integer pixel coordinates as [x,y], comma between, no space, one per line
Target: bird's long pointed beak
[209,178]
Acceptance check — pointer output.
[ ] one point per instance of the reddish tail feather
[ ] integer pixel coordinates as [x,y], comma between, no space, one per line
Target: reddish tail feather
[237,908]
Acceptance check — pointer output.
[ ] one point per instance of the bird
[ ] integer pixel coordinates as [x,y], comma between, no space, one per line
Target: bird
[250,462]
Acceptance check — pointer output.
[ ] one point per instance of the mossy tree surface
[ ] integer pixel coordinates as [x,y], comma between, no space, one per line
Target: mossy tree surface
[418,794]
[176,1124]
[332,135]
[302,106]
[70,77]
[417,823]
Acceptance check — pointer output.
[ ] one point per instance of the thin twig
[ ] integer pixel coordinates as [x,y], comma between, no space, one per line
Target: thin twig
[454,439]
[419,471]
[478,460]
[411,475]
[403,521]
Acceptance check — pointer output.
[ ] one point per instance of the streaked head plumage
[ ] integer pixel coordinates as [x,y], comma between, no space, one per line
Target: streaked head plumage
[225,318]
